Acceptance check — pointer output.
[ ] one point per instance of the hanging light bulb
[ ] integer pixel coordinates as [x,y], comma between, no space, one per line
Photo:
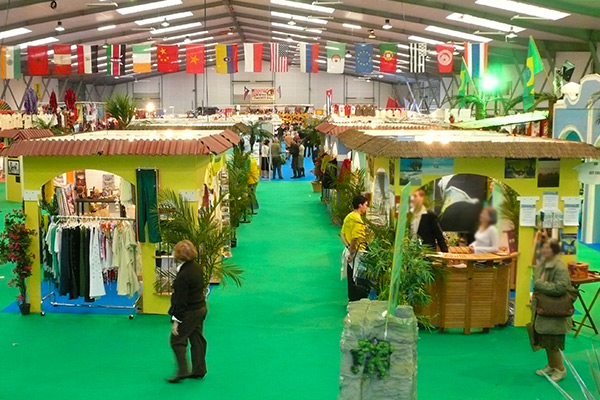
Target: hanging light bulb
[165,23]
[187,39]
[230,32]
[289,39]
[387,25]
[348,55]
[59,27]
[372,34]
[291,22]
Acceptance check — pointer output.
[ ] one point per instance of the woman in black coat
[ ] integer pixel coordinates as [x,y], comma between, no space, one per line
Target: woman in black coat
[188,311]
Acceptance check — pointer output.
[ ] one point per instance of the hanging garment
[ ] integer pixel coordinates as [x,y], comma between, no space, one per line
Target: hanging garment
[96,277]
[127,258]
[65,262]
[147,200]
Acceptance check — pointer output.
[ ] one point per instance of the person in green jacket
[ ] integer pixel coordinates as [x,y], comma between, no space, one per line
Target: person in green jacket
[551,277]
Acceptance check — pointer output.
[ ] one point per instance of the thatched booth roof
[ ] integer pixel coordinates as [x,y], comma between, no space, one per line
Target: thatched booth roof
[461,144]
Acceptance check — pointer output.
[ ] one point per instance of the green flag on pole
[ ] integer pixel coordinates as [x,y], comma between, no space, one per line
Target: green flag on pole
[397,261]
[533,66]
[465,78]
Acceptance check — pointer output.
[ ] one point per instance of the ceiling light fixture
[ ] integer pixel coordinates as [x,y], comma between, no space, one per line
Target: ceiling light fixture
[187,39]
[185,35]
[59,27]
[170,17]
[298,18]
[230,32]
[523,8]
[457,34]
[348,55]
[295,35]
[387,25]
[107,27]
[291,22]
[289,38]
[351,26]
[149,6]
[372,34]
[14,32]
[303,6]
[165,23]
[196,41]
[483,22]
[176,28]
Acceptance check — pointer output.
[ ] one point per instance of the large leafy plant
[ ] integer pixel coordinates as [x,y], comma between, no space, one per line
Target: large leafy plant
[122,109]
[240,195]
[510,207]
[309,133]
[347,186]
[254,130]
[181,221]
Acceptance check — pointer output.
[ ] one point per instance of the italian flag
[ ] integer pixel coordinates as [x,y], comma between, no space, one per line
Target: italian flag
[142,59]
[10,62]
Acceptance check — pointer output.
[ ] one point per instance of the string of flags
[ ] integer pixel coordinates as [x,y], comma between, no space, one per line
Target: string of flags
[227,58]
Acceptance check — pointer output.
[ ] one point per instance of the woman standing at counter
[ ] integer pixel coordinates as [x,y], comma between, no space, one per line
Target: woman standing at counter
[486,238]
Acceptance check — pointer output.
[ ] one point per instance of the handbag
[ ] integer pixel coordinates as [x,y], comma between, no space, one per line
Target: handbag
[559,306]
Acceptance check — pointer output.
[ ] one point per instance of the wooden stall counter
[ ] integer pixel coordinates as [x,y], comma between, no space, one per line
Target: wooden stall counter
[471,291]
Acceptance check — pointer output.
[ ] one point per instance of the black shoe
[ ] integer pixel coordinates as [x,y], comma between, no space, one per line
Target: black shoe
[176,379]
[197,376]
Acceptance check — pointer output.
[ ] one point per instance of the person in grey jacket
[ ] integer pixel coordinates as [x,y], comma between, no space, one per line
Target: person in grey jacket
[551,277]
[276,152]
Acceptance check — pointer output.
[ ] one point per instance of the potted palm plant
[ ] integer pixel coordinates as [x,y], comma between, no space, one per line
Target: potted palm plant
[15,244]
[240,195]
[122,109]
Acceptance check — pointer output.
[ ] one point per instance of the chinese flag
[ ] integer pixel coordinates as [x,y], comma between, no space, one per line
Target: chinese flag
[37,59]
[168,58]
[195,58]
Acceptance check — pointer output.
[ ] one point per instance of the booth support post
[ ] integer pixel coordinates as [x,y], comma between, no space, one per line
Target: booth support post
[34,282]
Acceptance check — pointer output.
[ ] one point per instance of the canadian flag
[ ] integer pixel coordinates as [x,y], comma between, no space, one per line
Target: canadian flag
[62,59]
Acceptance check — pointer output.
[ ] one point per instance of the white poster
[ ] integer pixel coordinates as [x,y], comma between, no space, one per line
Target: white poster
[589,173]
[571,211]
[550,201]
[528,211]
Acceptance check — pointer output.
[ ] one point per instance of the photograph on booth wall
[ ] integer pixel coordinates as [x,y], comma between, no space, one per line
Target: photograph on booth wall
[438,166]
[411,171]
[548,173]
[14,167]
[568,243]
[458,201]
[519,168]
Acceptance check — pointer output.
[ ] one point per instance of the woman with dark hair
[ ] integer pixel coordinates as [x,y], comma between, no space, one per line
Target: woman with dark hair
[188,311]
[486,238]
[551,278]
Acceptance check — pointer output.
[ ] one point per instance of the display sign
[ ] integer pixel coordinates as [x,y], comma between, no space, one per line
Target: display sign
[589,173]
[528,211]
[550,201]
[262,95]
[571,211]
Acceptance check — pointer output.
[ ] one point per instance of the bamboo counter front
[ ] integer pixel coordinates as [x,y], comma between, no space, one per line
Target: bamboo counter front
[471,291]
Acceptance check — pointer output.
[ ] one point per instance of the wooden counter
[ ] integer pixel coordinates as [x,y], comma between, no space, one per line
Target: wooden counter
[471,291]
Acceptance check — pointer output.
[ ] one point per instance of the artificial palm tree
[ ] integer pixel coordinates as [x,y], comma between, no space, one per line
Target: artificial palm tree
[122,109]
[510,207]
[347,186]
[475,101]
[256,132]
[240,195]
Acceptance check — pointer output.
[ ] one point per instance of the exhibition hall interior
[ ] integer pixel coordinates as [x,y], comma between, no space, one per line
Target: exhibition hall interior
[298,199]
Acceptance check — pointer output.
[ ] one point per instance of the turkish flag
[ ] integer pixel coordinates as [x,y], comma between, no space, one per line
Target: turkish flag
[195,58]
[445,58]
[37,59]
[168,58]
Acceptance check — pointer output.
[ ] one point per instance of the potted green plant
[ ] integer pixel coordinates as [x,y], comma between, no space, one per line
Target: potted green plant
[15,242]
[122,109]
[240,195]
[317,184]
[346,186]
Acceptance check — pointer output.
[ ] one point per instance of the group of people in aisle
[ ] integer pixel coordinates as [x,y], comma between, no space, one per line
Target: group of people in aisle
[286,145]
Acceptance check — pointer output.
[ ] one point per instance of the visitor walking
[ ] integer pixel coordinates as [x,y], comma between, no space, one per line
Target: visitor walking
[253,179]
[354,237]
[300,159]
[265,158]
[188,311]
[294,152]
[276,153]
[552,279]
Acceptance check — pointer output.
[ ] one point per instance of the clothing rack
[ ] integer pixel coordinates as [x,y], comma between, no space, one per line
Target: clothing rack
[52,294]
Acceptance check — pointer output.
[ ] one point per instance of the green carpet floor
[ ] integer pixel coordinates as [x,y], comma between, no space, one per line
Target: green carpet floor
[277,337]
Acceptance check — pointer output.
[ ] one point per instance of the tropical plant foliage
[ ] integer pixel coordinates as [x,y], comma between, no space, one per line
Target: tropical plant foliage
[347,186]
[474,101]
[510,207]
[181,221]
[240,195]
[50,125]
[122,109]
[254,130]
[309,133]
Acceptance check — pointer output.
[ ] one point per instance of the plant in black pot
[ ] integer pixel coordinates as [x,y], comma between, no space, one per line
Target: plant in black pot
[15,241]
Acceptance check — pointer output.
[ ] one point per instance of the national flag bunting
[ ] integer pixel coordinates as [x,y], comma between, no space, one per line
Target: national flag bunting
[388,57]
[533,66]
[309,54]
[364,58]
[280,57]
[227,58]
[10,62]
[37,60]
[196,59]
[465,78]
[253,57]
[335,57]
[62,59]
[167,58]
[476,55]
[87,59]
[445,57]
[142,58]
[418,53]
[115,59]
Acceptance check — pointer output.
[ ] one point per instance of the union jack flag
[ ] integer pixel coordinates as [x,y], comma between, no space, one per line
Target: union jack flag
[280,57]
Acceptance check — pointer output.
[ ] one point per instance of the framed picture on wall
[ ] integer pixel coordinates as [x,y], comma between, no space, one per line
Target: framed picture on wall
[14,167]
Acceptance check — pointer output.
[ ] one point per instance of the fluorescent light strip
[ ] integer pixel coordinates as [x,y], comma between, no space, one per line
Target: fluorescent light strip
[39,42]
[321,61]
[14,32]
[186,35]
[147,7]
[286,40]
[457,34]
[483,22]
[351,26]
[432,41]
[294,35]
[107,28]
[169,17]
[176,28]
[523,8]
[197,40]
[303,6]
[296,28]
[298,18]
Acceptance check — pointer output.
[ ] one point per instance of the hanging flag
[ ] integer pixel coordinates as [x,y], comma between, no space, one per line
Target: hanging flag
[280,57]
[309,54]
[246,92]
[227,58]
[62,59]
[465,78]
[328,101]
[533,66]
[364,58]
[115,59]
[10,62]
[445,58]
[476,55]
[388,59]
[335,57]
[37,59]
[418,53]
[167,58]
[142,58]
[279,91]
[253,57]
[196,59]
[87,59]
